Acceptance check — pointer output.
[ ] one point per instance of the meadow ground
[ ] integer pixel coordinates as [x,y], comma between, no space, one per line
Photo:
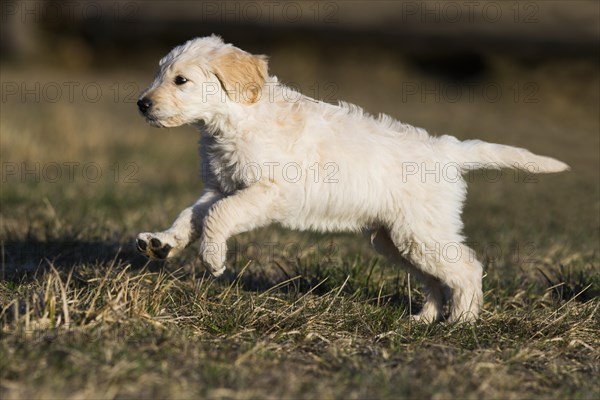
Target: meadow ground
[297,315]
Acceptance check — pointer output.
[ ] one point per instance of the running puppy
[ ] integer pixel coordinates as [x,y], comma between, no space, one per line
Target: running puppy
[272,155]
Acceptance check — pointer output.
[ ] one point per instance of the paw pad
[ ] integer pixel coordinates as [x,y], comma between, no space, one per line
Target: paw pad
[153,248]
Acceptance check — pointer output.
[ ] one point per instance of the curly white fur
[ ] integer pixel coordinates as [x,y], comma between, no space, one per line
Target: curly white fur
[272,155]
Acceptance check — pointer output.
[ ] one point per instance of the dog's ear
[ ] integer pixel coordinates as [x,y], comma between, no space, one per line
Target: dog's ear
[241,74]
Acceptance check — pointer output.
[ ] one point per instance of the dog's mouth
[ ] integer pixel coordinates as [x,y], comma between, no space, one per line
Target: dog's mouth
[153,121]
[157,119]
[162,122]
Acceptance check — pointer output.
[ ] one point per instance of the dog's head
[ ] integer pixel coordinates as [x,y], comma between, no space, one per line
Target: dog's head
[200,79]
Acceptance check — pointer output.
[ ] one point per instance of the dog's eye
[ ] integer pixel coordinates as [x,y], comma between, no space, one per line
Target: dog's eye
[180,80]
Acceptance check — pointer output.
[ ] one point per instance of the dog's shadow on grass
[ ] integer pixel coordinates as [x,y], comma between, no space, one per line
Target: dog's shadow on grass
[319,280]
[22,260]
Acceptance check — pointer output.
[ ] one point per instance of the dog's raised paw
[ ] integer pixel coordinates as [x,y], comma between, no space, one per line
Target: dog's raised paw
[151,246]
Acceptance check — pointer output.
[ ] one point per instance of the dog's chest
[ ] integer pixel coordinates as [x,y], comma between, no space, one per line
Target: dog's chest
[227,163]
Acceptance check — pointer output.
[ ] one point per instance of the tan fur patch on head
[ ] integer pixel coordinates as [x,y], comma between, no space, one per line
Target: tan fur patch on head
[242,74]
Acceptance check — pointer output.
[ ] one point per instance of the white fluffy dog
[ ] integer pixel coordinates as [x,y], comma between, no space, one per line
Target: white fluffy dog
[272,155]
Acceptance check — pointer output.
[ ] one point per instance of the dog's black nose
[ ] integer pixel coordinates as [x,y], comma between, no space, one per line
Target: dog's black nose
[144,104]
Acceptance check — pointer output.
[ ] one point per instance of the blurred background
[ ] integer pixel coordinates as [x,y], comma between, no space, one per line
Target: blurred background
[82,173]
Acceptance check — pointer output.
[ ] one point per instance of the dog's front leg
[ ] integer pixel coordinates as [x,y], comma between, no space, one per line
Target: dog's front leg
[243,211]
[185,230]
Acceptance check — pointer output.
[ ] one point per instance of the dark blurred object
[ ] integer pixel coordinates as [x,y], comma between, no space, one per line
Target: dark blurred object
[529,29]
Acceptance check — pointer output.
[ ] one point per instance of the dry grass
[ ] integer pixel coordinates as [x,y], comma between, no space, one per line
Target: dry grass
[110,330]
[83,316]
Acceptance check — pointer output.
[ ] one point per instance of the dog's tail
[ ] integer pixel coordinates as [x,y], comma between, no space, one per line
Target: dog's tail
[477,154]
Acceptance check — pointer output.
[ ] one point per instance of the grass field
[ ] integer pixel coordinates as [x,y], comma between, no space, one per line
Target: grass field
[297,315]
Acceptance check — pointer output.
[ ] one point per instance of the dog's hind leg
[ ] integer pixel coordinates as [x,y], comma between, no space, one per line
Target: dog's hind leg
[434,289]
[455,265]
